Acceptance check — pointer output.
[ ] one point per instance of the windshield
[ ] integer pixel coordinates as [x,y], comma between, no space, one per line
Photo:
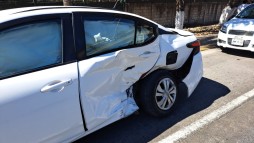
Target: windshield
[247,13]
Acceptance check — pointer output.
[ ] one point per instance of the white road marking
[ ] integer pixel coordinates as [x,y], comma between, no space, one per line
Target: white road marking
[210,51]
[183,133]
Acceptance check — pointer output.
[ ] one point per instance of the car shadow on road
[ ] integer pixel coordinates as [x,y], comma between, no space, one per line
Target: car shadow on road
[139,128]
[240,53]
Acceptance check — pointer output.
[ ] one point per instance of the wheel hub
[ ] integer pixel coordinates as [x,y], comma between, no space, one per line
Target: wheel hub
[165,94]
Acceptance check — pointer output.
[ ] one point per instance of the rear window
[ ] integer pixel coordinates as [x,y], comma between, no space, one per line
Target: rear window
[107,34]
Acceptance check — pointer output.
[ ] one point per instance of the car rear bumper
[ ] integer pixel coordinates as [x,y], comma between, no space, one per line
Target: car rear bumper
[224,40]
[195,74]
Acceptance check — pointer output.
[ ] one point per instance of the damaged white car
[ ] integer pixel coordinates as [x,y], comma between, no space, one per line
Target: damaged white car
[68,71]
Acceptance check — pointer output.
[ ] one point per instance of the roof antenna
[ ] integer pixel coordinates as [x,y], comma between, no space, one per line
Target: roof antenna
[121,1]
[115,4]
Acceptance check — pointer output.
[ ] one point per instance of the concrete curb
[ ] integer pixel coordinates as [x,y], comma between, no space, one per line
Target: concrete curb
[208,41]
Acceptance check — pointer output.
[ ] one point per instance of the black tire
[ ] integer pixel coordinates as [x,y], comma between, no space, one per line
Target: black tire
[147,93]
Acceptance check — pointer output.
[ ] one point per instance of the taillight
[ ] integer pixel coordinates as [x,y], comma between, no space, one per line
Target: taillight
[195,45]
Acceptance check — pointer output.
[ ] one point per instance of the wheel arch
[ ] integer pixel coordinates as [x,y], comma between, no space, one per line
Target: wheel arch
[140,88]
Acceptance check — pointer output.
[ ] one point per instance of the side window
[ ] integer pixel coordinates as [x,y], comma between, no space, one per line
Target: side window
[103,34]
[144,33]
[30,47]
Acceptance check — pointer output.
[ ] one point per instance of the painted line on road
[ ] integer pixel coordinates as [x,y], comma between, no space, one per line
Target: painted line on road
[216,114]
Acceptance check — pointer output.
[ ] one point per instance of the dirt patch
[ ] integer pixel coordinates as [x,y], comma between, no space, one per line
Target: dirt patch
[204,30]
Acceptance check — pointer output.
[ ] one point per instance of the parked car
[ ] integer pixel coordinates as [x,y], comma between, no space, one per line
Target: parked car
[238,33]
[69,71]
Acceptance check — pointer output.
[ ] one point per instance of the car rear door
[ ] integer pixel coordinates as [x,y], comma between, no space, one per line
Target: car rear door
[114,51]
[39,99]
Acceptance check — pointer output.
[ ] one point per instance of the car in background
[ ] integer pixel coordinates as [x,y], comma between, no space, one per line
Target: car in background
[69,71]
[238,33]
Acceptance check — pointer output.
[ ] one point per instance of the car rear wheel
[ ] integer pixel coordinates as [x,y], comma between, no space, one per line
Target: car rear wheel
[158,93]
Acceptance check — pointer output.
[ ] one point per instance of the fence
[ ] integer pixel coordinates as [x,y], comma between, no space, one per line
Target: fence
[197,12]
[7,4]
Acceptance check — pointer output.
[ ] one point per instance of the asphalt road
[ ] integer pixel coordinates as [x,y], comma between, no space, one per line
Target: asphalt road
[226,77]
[234,127]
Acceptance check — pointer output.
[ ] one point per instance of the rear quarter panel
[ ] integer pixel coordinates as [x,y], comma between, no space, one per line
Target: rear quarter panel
[174,42]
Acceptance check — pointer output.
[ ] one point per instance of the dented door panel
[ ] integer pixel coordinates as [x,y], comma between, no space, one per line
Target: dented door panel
[104,80]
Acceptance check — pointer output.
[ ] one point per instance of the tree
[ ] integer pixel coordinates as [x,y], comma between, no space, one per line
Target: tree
[232,9]
[179,20]
[67,2]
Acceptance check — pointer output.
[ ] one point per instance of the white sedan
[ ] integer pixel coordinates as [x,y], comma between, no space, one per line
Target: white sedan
[238,33]
[69,71]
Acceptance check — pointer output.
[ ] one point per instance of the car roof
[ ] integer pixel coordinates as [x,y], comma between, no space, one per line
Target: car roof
[37,8]
[10,14]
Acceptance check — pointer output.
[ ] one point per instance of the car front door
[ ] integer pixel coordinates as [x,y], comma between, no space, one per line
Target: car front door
[39,98]
[114,52]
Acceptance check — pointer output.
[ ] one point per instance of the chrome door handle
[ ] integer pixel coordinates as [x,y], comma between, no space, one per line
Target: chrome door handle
[56,86]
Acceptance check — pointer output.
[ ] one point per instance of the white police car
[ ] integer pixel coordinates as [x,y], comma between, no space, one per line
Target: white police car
[238,33]
[68,71]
